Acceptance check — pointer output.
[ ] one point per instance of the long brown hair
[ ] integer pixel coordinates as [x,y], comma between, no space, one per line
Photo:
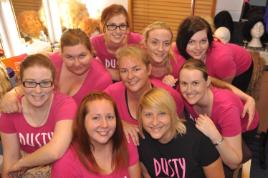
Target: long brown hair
[83,144]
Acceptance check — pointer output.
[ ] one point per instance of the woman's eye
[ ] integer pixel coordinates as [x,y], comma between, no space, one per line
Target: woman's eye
[95,117]
[110,117]
[147,114]
[162,113]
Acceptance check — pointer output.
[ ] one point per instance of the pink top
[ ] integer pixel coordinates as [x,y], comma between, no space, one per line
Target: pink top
[98,78]
[234,58]
[242,58]
[226,113]
[176,64]
[118,92]
[108,59]
[69,166]
[32,138]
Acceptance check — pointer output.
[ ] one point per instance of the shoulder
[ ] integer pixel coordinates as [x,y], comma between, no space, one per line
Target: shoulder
[97,39]
[117,87]
[134,37]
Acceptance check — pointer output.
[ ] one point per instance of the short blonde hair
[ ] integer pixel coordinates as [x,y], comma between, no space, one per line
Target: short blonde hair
[161,100]
[132,51]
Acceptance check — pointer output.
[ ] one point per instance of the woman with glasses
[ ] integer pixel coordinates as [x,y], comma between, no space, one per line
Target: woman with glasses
[116,34]
[77,71]
[41,133]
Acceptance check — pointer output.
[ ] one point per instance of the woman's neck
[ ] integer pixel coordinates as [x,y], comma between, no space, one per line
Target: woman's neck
[136,95]
[36,116]
[204,106]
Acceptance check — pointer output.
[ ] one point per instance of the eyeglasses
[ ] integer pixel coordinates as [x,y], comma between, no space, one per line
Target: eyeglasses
[33,84]
[112,27]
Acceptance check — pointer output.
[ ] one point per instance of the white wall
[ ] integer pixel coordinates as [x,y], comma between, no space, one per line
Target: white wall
[232,6]
[96,6]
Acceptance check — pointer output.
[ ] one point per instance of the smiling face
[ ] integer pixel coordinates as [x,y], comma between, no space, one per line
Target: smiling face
[158,45]
[134,74]
[37,96]
[100,121]
[117,36]
[76,58]
[198,45]
[157,123]
[193,86]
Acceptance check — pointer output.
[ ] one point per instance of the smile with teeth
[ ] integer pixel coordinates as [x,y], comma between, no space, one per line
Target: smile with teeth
[103,133]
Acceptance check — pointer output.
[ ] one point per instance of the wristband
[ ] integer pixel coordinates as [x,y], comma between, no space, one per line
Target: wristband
[218,142]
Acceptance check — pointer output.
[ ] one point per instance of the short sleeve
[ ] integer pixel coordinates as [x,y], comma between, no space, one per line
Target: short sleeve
[65,108]
[133,154]
[7,123]
[229,123]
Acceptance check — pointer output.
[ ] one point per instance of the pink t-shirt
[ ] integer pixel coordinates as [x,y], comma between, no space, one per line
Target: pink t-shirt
[108,59]
[118,92]
[242,58]
[226,113]
[32,138]
[176,64]
[98,78]
[69,166]
[224,60]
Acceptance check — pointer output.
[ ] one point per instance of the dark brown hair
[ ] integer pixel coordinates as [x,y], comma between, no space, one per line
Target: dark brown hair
[83,144]
[37,60]
[187,29]
[73,37]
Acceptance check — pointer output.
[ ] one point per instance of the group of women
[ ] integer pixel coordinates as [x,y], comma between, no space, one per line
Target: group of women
[135,126]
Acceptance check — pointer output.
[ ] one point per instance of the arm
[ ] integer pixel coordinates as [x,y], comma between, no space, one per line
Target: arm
[249,106]
[9,102]
[11,152]
[50,152]
[230,148]
[114,73]
[144,171]
[131,131]
[134,170]
[215,169]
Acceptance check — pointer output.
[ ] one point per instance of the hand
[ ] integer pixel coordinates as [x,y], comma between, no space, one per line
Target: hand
[249,108]
[131,131]
[169,80]
[10,103]
[208,128]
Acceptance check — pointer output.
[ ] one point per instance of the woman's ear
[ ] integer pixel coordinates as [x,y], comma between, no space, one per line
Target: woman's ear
[208,82]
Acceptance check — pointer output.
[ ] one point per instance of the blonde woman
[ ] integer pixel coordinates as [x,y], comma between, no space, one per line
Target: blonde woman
[157,42]
[172,147]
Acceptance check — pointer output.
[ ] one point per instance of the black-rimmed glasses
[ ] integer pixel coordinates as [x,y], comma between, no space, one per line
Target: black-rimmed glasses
[112,27]
[33,84]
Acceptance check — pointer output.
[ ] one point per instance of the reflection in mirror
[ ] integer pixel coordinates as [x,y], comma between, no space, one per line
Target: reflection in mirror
[33,31]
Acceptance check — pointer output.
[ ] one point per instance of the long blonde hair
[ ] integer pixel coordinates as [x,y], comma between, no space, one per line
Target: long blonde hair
[161,100]
[159,25]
